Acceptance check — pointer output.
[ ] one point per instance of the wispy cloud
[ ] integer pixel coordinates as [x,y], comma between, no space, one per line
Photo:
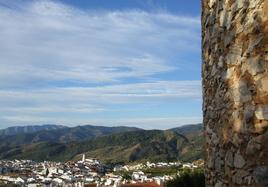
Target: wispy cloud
[92,97]
[48,41]
[70,105]
[59,59]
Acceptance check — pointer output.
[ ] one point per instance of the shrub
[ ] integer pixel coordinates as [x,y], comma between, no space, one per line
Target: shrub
[188,178]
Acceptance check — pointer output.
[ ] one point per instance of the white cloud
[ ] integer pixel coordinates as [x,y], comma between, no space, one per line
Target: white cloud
[60,64]
[45,41]
[94,96]
[79,105]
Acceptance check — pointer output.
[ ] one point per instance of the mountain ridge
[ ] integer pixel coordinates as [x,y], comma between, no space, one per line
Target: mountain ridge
[142,145]
[64,134]
[107,144]
[28,129]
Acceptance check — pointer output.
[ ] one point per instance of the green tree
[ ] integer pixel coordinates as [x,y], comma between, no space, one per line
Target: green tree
[126,176]
[188,178]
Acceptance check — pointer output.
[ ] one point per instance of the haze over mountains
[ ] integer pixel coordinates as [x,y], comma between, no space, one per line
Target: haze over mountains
[28,129]
[109,144]
[58,133]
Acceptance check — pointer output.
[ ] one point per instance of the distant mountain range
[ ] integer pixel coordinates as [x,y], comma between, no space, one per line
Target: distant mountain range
[54,133]
[189,129]
[28,129]
[109,144]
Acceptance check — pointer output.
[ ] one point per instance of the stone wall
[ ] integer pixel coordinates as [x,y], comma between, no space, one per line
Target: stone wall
[235,91]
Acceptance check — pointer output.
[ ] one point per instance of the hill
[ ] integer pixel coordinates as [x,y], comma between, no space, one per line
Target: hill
[28,129]
[189,129]
[138,145]
[59,134]
[194,133]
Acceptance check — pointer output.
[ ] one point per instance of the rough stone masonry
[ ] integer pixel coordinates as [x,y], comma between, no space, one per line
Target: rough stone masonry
[235,91]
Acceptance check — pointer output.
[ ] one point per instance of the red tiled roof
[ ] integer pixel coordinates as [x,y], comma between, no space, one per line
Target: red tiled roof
[90,185]
[149,184]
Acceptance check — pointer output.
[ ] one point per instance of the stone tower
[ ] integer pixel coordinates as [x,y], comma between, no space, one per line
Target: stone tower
[235,91]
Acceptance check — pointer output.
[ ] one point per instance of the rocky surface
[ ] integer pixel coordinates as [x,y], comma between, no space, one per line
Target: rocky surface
[235,89]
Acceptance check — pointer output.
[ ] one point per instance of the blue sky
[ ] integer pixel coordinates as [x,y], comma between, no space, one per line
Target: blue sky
[100,62]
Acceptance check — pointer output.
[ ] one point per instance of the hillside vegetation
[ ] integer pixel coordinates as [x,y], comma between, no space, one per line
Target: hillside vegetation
[59,134]
[129,146]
